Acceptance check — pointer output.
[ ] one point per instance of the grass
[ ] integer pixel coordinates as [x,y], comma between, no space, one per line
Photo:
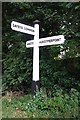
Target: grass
[11,107]
[24,106]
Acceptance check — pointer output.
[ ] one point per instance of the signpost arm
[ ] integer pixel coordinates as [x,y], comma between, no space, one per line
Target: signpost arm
[35,79]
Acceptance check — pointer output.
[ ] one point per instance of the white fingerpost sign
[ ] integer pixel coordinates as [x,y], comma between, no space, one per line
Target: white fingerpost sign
[36,43]
[22,28]
[54,40]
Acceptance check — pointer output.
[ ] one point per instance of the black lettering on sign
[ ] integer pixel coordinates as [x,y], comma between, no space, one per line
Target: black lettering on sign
[41,42]
[14,25]
[30,43]
[28,29]
[21,27]
[57,39]
[44,41]
[49,41]
[18,26]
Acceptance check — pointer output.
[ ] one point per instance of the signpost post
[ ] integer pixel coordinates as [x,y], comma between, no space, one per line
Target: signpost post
[54,40]
[35,80]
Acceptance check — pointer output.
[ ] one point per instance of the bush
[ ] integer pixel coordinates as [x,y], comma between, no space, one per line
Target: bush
[16,70]
[61,105]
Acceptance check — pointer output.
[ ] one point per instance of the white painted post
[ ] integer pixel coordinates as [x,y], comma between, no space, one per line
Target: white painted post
[35,79]
[36,54]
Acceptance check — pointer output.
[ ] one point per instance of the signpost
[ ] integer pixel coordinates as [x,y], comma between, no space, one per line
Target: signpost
[54,40]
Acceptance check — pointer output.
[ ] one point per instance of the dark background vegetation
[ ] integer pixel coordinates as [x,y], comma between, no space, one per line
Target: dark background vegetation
[59,64]
[55,19]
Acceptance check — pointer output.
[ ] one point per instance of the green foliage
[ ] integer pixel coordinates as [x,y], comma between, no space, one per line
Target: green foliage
[55,19]
[59,76]
[16,72]
[60,106]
